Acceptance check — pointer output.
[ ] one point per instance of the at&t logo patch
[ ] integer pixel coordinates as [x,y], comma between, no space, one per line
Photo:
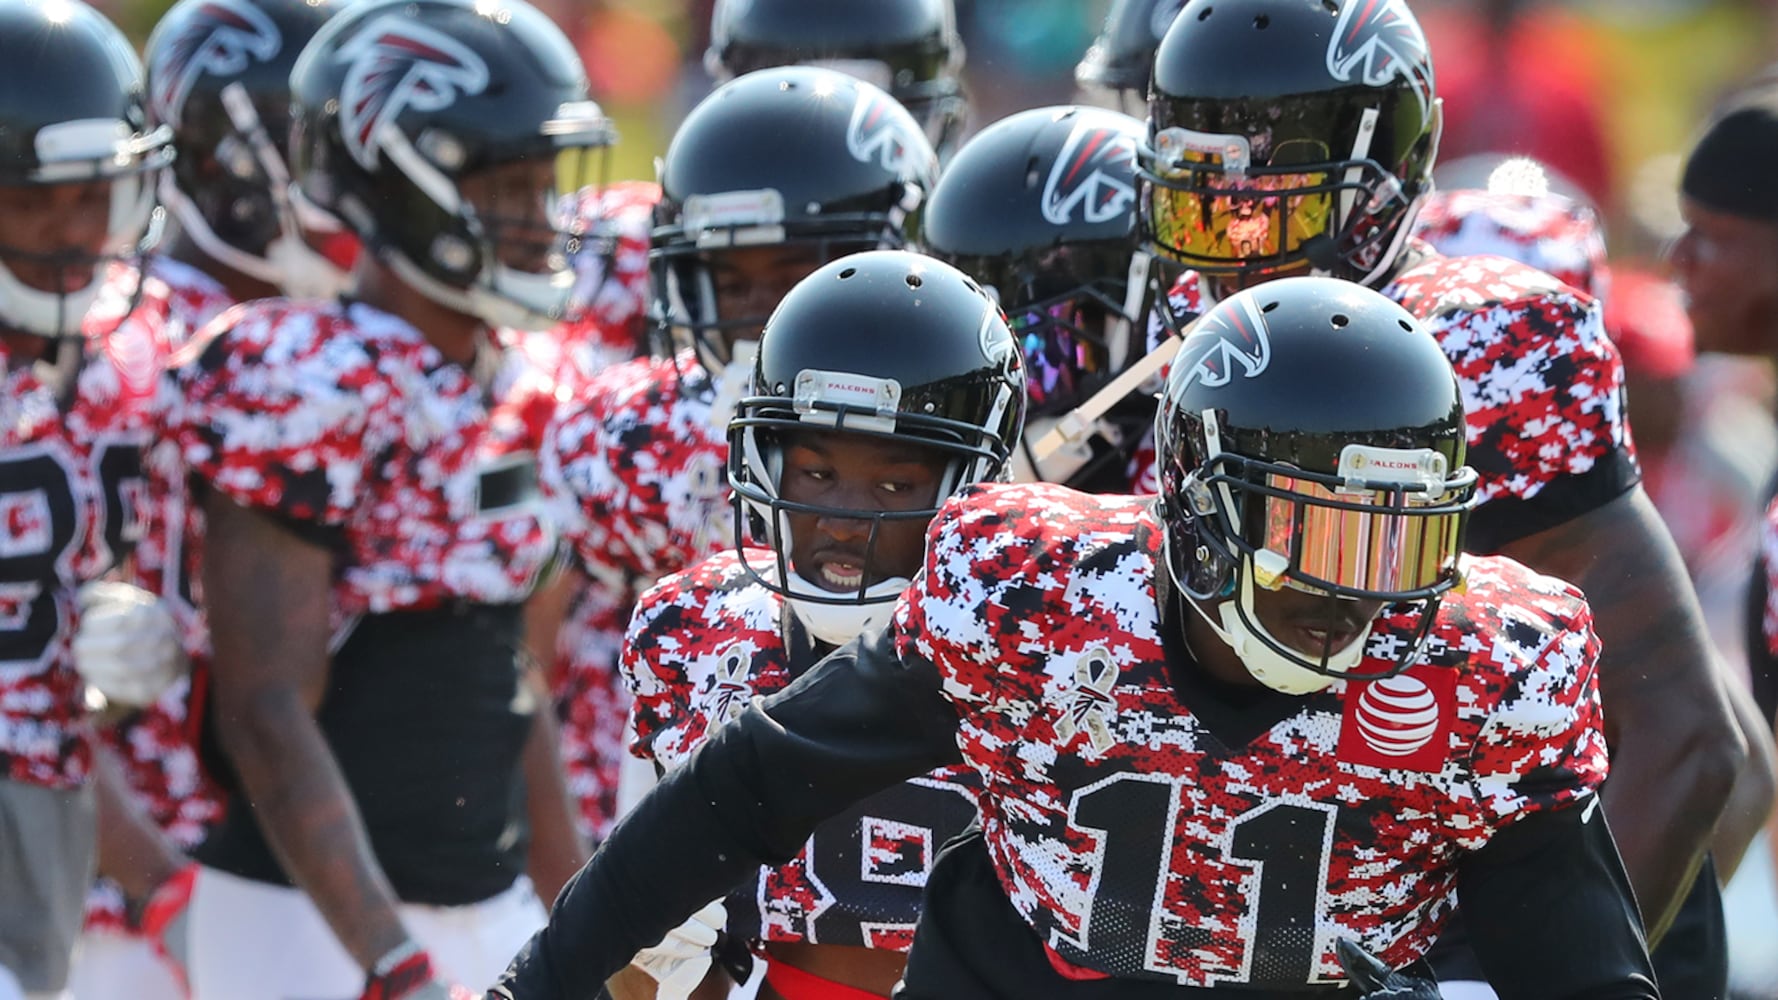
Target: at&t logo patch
[1401,722]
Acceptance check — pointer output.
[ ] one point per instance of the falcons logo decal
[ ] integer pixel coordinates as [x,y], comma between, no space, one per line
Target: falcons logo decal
[392,66]
[1092,176]
[1222,343]
[877,134]
[220,37]
[1376,41]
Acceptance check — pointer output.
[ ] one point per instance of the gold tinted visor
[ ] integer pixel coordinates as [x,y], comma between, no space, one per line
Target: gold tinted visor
[1242,218]
[582,137]
[1379,541]
[580,167]
[1212,202]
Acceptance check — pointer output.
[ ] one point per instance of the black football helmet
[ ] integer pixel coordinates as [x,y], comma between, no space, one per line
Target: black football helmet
[1040,208]
[1288,136]
[791,155]
[219,76]
[1311,435]
[72,110]
[1114,72]
[909,48]
[399,106]
[885,344]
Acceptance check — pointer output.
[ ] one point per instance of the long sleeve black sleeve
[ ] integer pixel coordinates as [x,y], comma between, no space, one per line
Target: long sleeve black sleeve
[1551,913]
[858,722]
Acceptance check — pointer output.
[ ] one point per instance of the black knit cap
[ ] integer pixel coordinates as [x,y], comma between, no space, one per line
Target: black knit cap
[1734,168]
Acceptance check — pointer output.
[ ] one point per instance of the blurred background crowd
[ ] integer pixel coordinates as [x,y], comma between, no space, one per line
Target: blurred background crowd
[1606,93]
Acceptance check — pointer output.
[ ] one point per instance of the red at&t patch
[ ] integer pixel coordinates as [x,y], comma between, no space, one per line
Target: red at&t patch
[1400,722]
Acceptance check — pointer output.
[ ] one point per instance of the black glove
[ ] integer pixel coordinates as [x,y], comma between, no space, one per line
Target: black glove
[1376,981]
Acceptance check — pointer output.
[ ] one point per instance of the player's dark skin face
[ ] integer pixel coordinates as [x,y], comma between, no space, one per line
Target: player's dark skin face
[856,473]
[515,200]
[1309,623]
[45,220]
[1728,266]
[515,196]
[749,282]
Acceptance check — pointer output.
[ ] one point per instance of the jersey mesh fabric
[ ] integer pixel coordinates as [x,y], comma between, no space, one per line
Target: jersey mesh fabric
[1107,799]
[71,503]
[160,761]
[703,643]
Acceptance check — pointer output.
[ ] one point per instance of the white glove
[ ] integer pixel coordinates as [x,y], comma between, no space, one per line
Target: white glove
[127,646]
[678,964]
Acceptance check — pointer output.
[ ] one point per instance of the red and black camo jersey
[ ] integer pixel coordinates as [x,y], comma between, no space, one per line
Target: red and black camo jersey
[1104,795]
[1767,567]
[161,765]
[1552,233]
[635,466]
[592,703]
[609,306]
[71,502]
[343,417]
[637,469]
[701,645]
[1543,386]
[177,301]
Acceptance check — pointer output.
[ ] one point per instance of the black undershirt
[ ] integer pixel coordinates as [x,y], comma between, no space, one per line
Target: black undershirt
[427,714]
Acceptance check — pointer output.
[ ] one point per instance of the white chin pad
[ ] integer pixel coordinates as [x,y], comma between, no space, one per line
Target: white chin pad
[837,624]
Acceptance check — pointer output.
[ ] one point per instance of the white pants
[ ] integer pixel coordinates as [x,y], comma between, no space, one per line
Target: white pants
[1466,990]
[109,965]
[253,941]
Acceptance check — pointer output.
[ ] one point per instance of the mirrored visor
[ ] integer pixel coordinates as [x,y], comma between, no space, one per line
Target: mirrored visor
[1212,202]
[1064,345]
[1407,543]
[577,169]
[1244,217]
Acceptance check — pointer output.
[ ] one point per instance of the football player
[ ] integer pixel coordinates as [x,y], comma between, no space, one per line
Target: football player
[909,48]
[371,529]
[1225,736]
[1294,138]
[1114,72]
[1520,218]
[771,176]
[77,173]
[218,75]
[1040,208]
[1726,261]
[885,383]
